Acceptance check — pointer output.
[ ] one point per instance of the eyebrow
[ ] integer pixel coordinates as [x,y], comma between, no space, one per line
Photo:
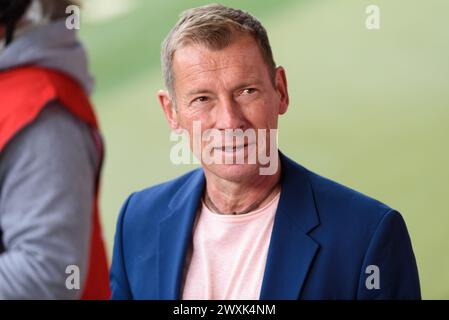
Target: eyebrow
[198,91]
[247,84]
[237,87]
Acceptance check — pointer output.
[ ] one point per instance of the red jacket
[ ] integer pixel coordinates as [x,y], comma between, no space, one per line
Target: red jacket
[24,92]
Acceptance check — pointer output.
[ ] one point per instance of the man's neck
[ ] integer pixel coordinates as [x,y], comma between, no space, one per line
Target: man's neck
[229,197]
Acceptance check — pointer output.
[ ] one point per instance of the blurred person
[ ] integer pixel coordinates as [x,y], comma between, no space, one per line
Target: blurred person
[50,159]
[227,231]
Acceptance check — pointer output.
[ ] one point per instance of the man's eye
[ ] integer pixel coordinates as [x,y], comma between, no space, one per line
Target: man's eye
[248,91]
[201,99]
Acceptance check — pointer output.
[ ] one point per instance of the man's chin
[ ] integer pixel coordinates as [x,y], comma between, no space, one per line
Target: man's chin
[234,172]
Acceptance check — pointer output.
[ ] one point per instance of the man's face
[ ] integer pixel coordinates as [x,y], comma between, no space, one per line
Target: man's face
[226,89]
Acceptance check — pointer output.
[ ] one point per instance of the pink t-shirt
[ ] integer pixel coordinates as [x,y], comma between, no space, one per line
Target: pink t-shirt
[228,255]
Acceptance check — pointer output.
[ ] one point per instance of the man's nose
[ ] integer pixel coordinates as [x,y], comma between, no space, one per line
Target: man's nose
[229,115]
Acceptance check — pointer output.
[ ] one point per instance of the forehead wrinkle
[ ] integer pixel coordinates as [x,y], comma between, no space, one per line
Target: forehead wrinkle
[194,74]
[212,65]
[194,71]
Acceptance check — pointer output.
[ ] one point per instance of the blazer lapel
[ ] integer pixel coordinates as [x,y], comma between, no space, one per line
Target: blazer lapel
[291,251]
[175,234]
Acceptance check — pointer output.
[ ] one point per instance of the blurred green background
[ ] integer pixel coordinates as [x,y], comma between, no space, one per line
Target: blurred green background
[369,108]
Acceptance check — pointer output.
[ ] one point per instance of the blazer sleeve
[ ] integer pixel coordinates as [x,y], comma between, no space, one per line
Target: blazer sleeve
[118,278]
[389,269]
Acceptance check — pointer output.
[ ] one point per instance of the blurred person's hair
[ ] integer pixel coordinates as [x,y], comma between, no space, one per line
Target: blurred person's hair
[56,9]
[39,11]
[214,26]
[10,13]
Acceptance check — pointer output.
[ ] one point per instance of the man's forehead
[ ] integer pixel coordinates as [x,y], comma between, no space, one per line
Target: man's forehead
[192,61]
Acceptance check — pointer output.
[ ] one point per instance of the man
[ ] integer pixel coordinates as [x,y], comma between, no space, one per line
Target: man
[50,159]
[232,230]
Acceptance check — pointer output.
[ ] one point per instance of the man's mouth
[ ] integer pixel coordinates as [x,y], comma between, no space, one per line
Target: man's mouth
[233,148]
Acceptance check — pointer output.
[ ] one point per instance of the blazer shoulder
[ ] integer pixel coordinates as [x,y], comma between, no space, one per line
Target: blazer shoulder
[155,199]
[344,203]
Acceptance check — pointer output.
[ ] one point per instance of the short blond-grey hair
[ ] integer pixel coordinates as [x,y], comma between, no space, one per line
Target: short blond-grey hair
[213,26]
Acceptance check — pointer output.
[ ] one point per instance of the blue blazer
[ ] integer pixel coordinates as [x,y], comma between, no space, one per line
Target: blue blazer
[328,242]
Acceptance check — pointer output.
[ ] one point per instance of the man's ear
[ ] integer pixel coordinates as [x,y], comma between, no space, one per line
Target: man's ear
[171,115]
[281,89]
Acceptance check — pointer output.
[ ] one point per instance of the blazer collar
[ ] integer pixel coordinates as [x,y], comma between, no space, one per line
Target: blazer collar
[291,250]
